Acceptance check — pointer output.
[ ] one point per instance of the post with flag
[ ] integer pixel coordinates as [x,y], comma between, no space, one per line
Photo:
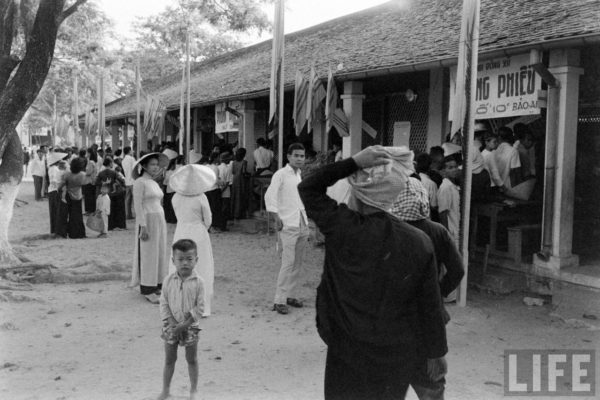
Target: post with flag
[463,118]
[276,92]
[138,123]
[76,112]
[188,133]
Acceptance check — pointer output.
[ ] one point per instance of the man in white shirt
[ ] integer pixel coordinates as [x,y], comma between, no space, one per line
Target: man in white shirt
[262,156]
[127,164]
[526,149]
[489,158]
[38,171]
[283,200]
[449,198]
[507,159]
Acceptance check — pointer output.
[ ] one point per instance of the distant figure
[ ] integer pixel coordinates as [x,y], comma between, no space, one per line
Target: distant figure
[437,159]
[181,308]
[239,187]
[507,159]
[26,160]
[103,206]
[38,172]
[262,156]
[525,147]
[127,164]
[449,198]
[73,181]
[423,167]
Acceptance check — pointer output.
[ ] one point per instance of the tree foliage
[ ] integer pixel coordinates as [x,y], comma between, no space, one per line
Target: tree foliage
[81,50]
[215,27]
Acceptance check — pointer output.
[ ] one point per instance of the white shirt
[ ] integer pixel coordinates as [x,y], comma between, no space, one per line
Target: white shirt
[55,177]
[507,158]
[490,165]
[103,204]
[282,197]
[38,167]
[449,200]
[263,157]
[128,163]
[431,188]
[478,163]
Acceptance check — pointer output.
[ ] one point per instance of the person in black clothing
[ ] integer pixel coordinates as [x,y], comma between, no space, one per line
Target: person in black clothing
[379,308]
[116,218]
[411,207]
[437,159]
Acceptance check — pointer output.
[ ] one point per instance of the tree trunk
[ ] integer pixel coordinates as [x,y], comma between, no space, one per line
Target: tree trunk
[11,173]
[18,94]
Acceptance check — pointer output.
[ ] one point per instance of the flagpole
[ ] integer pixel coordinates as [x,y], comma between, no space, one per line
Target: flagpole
[281,17]
[468,125]
[138,124]
[181,112]
[101,110]
[75,112]
[54,121]
[187,110]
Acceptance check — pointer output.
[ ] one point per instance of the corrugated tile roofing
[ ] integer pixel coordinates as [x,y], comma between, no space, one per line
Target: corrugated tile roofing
[395,34]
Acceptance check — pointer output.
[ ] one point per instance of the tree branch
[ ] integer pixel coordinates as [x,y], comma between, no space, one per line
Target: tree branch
[70,10]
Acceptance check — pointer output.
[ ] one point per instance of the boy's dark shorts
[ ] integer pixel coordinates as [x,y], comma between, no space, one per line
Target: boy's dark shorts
[189,338]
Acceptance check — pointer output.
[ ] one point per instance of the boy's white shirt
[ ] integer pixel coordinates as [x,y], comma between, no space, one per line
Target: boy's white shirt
[179,296]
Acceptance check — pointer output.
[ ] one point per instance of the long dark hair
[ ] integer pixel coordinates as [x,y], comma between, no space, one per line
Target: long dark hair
[93,154]
[77,165]
[240,154]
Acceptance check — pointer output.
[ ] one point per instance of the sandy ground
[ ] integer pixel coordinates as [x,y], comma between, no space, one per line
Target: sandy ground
[100,340]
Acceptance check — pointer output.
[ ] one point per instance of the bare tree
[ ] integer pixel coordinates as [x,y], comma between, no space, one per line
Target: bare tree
[28,31]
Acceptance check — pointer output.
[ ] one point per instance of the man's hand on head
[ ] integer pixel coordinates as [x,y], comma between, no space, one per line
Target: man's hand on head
[371,157]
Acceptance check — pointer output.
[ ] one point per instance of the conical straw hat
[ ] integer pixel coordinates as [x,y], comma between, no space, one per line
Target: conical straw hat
[193,179]
[170,153]
[163,162]
[55,157]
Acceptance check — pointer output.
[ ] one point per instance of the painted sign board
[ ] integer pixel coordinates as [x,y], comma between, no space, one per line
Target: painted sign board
[506,87]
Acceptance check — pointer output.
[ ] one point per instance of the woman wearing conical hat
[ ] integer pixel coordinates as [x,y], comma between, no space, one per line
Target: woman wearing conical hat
[194,218]
[151,255]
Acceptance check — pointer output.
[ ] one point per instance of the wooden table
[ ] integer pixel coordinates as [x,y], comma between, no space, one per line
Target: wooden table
[517,211]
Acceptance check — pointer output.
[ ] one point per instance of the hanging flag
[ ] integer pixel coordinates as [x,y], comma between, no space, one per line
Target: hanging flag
[331,102]
[276,92]
[300,97]
[340,122]
[369,130]
[154,114]
[316,95]
[461,98]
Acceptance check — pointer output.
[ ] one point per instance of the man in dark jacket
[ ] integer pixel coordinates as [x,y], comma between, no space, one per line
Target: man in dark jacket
[378,304]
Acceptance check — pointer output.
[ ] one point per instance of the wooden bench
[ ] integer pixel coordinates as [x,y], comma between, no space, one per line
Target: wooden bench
[515,239]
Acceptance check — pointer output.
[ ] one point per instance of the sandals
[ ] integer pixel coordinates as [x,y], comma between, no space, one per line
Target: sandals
[152,298]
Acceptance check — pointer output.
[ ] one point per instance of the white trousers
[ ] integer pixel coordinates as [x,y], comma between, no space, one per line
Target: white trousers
[293,245]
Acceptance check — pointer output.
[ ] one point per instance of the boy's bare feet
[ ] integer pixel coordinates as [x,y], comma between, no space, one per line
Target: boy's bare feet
[163,396]
[193,395]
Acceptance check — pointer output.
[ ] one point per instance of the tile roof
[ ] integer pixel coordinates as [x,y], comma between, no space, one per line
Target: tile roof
[394,34]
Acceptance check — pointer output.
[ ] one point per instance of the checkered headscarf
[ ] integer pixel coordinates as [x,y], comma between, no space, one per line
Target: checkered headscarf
[413,202]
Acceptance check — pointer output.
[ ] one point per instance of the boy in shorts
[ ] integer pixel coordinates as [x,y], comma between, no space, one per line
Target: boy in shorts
[181,307]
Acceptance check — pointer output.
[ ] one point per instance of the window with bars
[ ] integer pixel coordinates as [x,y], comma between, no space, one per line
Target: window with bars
[382,112]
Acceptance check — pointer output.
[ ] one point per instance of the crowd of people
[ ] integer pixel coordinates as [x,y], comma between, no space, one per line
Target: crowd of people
[390,223]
